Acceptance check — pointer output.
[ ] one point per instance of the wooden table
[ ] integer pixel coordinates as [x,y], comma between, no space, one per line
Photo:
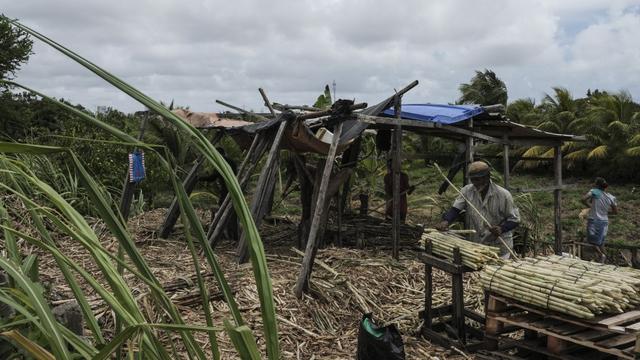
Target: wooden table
[456,331]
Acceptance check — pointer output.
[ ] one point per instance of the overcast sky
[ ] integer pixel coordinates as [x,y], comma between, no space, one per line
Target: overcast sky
[194,52]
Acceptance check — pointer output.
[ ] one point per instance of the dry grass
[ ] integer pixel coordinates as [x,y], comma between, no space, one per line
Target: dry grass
[323,325]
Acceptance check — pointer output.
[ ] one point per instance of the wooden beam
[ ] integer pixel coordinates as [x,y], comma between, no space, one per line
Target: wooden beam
[173,212]
[252,157]
[557,199]
[505,161]
[266,182]
[396,172]
[543,189]
[302,283]
[189,183]
[128,188]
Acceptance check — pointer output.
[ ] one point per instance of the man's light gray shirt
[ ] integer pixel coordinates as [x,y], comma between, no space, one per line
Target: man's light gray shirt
[496,207]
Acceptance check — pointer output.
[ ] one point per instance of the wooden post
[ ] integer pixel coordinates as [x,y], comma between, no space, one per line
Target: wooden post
[468,159]
[302,283]
[428,289]
[128,188]
[339,219]
[349,159]
[493,327]
[505,159]
[557,198]
[173,213]
[468,153]
[265,185]
[252,157]
[457,297]
[396,172]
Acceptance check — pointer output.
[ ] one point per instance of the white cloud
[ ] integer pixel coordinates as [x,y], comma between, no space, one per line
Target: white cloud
[196,52]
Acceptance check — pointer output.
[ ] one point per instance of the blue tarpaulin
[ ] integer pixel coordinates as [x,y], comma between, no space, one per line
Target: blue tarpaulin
[443,114]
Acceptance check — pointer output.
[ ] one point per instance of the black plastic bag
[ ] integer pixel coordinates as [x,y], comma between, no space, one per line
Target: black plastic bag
[379,343]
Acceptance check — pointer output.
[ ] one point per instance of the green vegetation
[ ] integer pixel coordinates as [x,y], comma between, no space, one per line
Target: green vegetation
[50,214]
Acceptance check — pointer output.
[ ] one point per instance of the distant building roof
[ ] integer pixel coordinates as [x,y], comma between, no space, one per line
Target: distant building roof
[204,120]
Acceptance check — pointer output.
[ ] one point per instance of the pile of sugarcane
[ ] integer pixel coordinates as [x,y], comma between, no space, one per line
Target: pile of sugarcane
[566,285]
[473,255]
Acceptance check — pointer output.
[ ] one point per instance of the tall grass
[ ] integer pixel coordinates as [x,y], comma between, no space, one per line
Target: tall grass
[46,204]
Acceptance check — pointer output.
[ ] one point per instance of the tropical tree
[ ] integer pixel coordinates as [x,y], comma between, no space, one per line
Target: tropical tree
[485,88]
[16,48]
[612,128]
[524,111]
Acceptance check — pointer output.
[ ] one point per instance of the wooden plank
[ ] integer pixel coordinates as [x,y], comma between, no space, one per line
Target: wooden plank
[441,264]
[586,342]
[567,328]
[633,327]
[618,341]
[592,334]
[621,318]
[302,283]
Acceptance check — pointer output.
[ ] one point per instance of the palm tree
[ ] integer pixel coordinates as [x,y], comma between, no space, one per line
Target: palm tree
[612,129]
[485,88]
[524,111]
[558,113]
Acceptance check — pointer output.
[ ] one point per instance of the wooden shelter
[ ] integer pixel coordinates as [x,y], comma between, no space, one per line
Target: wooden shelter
[295,128]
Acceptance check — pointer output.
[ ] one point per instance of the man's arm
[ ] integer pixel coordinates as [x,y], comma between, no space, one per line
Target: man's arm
[586,199]
[458,205]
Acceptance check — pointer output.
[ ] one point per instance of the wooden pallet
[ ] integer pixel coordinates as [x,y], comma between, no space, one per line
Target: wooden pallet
[560,336]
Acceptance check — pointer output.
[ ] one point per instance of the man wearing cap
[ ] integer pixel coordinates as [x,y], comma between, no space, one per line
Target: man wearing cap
[601,204]
[492,201]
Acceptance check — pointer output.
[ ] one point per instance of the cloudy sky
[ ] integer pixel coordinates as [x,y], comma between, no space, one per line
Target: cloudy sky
[194,52]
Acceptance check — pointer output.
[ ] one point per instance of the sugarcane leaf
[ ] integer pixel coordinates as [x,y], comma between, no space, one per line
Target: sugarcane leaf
[35,350]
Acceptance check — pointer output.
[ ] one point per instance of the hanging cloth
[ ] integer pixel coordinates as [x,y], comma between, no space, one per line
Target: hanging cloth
[136,166]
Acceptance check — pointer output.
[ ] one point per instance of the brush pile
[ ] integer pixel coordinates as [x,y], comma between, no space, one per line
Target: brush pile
[566,285]
[473,255]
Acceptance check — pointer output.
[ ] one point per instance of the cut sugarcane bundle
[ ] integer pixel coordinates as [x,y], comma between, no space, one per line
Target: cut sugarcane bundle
[567,285]
[473,255]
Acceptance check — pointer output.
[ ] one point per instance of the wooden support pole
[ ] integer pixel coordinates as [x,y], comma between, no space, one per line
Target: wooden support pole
[468,153]
[302,283]
[468,159]
[189,183]
[128,188]
[428,289]
[457,298]
[396,172]
[173,213]
[557,198]
[253,155]
[505,161]
[493,327]
[266,182]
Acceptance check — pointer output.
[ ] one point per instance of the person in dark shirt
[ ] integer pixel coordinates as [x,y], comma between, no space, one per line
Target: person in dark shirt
[388,190]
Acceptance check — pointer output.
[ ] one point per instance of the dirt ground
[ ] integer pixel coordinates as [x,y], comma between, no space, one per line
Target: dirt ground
[346,283]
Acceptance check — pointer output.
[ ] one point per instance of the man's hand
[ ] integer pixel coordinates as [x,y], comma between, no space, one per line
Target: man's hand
[443,225]
[496,230]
